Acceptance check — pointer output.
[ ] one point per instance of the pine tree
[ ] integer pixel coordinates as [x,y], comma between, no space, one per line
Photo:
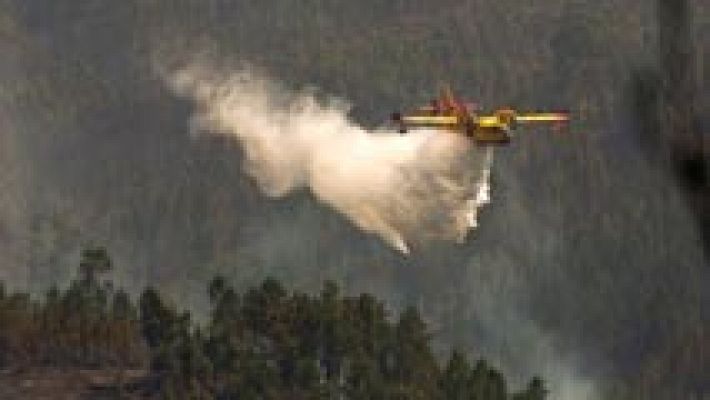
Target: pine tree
[455,379]
[416,370]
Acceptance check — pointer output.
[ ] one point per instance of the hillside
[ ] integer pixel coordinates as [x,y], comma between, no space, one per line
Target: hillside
[590,257]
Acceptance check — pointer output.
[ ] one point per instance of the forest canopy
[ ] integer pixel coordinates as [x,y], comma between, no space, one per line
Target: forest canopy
[265,343]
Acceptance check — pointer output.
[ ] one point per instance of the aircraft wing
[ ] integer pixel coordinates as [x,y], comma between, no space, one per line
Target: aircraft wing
[430,120]
[542,117]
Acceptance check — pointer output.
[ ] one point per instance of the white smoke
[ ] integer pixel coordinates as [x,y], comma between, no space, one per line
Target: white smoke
[426,185]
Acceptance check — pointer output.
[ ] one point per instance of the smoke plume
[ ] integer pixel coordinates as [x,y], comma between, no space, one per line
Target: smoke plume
[408,189]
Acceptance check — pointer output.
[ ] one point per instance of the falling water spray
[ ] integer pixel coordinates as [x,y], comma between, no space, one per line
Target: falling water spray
[408,189]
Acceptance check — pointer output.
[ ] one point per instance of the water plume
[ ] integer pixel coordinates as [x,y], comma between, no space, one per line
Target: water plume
[410,189]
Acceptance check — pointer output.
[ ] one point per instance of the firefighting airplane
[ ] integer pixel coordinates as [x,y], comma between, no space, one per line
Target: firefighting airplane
[449,113]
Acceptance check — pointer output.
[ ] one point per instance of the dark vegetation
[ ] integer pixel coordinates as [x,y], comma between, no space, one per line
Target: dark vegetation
[90,324]
[672,113]
[265,343]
